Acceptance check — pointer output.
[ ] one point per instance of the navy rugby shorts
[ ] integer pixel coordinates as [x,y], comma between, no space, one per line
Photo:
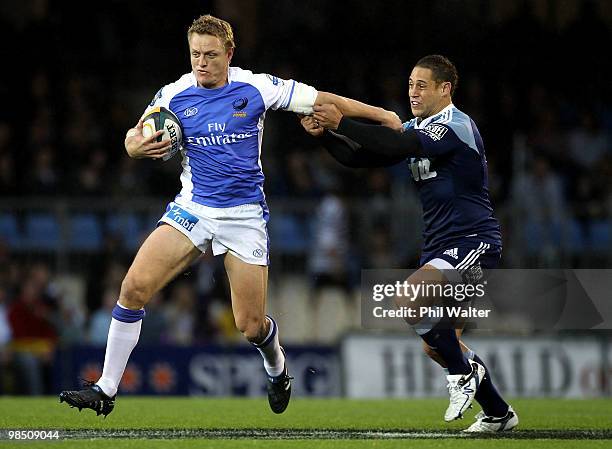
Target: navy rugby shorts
[467,259]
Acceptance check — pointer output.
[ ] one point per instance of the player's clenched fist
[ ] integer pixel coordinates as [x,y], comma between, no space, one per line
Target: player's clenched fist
[311,126]
[391,120]
[140,147]
[327,115]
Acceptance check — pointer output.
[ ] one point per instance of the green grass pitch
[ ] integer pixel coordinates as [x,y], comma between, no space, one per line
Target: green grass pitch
[307,423]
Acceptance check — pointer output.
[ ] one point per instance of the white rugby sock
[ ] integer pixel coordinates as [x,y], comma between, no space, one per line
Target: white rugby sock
[122,338]
[274,360]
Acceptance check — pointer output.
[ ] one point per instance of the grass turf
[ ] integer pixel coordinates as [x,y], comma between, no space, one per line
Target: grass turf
[320,444]
[339,415]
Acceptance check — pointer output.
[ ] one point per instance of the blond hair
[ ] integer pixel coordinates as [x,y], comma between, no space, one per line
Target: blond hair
[219,28]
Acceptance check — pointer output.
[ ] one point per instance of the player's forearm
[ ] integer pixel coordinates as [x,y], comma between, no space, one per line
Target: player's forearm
[350,154]
[352,108]
[382,140]
[341,152]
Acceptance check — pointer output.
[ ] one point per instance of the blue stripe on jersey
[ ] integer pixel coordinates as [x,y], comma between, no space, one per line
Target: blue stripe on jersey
[461,123]
[222,144]
[290,96]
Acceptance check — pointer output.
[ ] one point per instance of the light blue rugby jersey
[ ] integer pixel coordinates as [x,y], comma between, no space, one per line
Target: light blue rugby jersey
[452,182]
[223,131]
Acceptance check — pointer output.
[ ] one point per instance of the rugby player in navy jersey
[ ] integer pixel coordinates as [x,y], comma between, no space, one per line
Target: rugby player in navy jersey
[221,206]
[445,154]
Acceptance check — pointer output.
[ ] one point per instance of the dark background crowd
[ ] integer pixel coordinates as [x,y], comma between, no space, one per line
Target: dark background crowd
[534,76]
[76,79]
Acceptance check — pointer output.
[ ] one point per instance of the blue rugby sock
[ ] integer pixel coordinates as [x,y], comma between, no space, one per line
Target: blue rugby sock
[446,344]
[487,395]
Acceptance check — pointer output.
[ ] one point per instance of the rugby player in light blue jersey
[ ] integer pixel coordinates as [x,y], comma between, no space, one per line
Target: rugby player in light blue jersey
[221,204]
[445,154]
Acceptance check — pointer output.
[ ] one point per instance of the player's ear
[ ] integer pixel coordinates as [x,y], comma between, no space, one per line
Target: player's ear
[446,88]
[230,54]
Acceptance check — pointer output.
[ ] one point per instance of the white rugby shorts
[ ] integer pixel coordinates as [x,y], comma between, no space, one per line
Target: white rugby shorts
[240,230]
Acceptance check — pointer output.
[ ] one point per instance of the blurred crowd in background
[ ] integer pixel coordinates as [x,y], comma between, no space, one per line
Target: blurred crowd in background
[534,76]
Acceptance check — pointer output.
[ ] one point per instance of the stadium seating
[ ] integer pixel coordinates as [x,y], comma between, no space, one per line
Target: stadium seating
[538,235]
[574,239]
[9,230]
[85,233]
[599,239]
[288,234]
[42,232]
[128,227]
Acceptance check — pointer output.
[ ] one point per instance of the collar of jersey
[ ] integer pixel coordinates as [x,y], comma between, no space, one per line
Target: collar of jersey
[432,118]
[211,92]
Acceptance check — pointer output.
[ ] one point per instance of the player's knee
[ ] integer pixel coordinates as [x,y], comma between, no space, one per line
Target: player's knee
[412,317]
[251,326]
[135,293]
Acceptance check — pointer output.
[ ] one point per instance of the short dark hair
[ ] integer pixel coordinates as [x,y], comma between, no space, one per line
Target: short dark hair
[442,70]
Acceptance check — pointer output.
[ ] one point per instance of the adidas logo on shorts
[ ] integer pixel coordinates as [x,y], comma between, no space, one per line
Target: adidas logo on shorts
[452,253]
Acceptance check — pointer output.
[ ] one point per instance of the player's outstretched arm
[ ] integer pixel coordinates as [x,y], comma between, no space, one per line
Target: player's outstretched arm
[345,151]
[141,147]
[377,139]
[354,108]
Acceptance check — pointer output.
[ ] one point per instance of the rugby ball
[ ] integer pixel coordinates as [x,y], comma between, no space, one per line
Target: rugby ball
[159,118]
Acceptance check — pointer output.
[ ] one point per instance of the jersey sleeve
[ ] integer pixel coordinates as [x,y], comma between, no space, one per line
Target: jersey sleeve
[437,139]
[381,140]
[164,95]
[409,124]
[277,93]
[351,154]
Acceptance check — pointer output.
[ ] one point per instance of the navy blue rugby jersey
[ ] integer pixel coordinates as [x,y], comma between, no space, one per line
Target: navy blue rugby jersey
[452,181]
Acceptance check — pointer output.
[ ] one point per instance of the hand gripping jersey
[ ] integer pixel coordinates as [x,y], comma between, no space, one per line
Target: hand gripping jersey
[452,181]
[223,131]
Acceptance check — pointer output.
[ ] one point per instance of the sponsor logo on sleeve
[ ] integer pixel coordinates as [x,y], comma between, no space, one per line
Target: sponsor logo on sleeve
[276,81]
[157,96]
[434,132]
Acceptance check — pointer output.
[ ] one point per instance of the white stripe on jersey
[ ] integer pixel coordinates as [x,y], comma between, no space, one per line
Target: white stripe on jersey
[447,116]
[186,181]
[260,129]
[444,116]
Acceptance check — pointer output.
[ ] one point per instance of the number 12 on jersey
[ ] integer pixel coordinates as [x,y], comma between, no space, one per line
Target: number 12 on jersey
[420,169]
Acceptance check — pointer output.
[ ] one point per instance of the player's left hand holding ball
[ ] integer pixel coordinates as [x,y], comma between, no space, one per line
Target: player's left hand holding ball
[140,147]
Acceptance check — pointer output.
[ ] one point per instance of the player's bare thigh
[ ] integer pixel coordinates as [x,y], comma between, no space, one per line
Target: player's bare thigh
[162,256]
[426,275]
[248,284]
